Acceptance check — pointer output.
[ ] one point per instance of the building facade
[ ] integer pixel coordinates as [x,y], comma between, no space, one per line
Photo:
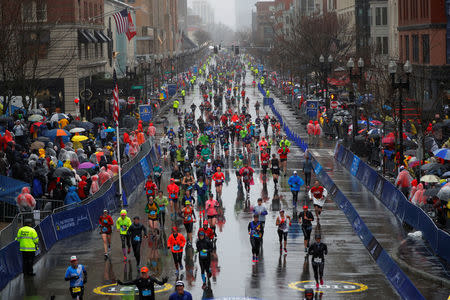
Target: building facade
[393,30]
[243,13]
[423,32]
[203,9]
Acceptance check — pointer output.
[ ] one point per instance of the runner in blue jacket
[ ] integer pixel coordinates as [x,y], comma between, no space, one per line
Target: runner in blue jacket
[295,182]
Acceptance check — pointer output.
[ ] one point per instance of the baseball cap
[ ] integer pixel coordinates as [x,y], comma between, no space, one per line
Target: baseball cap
[174,228]
[179,283]
[105,210]
[209,160]
[73,258]
[295,172]
[144,270]
[305,207]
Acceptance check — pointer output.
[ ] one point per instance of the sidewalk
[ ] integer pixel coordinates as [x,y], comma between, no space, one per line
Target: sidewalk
[389,232]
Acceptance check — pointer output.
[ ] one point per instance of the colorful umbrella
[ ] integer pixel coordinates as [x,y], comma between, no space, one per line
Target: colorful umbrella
[35,118]
[37,145]
[77,130]
[57,132]
[79,138]
[110,129]
[86,165]
[443,153]
[58,116]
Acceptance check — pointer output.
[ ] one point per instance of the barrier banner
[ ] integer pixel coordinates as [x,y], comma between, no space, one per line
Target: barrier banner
[150,162]
[444,245]
[172,89]
[95,209]
[428,231]
[145,167]
[71,222]
[153,156]
[317,168]
[130,181]
[390,196]
[348,160]
[10,263]
[48,232]
[355,165]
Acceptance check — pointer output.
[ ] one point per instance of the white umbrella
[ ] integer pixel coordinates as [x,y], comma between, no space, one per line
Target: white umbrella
[77,130]
[430,179]
[444,193]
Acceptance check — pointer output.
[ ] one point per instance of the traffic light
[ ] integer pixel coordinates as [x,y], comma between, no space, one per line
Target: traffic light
[216,51]
[236,50]
[77,101]
[232,48]
[88,107]
[332,96]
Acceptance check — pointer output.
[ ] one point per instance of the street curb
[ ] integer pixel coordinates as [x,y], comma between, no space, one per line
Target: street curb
[417,272]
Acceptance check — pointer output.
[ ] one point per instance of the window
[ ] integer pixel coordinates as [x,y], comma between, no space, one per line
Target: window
[79,50]
[407,47]
[415,45]
[385,45]
[378,16]
[384,16]
[41,11]
[96,49]
[27,11]
[378,45]
[86,51]
[426,48]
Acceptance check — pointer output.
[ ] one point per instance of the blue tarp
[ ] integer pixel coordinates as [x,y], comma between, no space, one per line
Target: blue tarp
[10,188]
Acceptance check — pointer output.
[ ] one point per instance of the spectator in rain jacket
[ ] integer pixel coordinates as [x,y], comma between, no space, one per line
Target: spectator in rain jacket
[72,196]
[25,200]
[82,187]
[94,185]
[419,198]
[310,130]
[103,175]
[403,181]
[413,189]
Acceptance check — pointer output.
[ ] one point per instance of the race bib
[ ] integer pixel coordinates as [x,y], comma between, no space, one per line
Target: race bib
[76,289]
[204,253]
[146,293]
[157,174]
[162,208]
[150,192]
[275,167]
[105,221]
[104,229]
[256,235]
[152,213]
[318,260]
[176,247]
[172,195]
[188,218]
[137,238]
[219,181]
[123,227]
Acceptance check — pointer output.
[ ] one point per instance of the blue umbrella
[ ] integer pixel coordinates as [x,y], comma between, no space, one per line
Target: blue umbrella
[443,153]
[109,129]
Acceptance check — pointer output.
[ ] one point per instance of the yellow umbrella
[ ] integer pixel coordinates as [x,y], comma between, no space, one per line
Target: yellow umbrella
[79,138]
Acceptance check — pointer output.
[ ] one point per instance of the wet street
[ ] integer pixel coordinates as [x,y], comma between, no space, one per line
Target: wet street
[350,273]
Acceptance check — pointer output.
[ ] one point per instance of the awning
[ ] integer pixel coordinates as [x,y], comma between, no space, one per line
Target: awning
[83,37]
[101,38]
[107,38]
[91,36]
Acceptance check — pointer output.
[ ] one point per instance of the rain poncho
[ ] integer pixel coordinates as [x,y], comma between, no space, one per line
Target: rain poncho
[72,196]
[103,175]
[310,128]
[317,128]
[81,187]
[413,189]
[94,185]
[25,200]
[419,197]
[403,179]
[67,164]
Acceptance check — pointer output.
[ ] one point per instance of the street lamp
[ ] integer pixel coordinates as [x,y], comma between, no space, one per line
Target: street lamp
[400,85]
[325,68]
[353,77]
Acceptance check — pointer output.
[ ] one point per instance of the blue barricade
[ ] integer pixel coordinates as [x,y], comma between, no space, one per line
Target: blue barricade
[10,188]
[71,222]
[145,167]
[10,263]
[397,203]
[48,232]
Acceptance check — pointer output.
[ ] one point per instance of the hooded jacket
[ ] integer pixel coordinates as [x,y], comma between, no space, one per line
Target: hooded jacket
[72,196]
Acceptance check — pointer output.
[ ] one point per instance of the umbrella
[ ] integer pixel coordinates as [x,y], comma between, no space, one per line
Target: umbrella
[37,145]
[129,122]
[98,120]
[58,116]
[63,172]
[5,118]
[77,130]
[110,129]
[35,111]
[444,193]
[82,172]
[35,118]
[43,139]
[388,140]
[430,179]
[376,122]
[446,175]
[430,166]
[431,192]
[414,164]
[430,144]
[86,165]
[79,138]
[57,132]
[86,125]
[443,153]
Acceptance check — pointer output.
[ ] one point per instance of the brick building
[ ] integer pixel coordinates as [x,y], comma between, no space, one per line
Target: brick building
[422,26]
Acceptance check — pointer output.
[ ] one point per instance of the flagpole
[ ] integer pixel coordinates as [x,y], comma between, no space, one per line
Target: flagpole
[118,141]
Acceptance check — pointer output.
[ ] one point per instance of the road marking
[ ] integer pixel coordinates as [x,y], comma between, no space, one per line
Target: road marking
[115,290]
[337,286]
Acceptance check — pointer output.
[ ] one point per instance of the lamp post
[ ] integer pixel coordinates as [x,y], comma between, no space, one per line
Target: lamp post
[353,77]
[398,83]
[325,68]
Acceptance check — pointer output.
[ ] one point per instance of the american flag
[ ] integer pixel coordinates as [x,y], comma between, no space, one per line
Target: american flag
[121,19]
[116,99]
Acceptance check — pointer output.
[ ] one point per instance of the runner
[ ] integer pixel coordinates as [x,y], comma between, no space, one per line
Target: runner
[180,293]
[247,176]
[162,203]
[318,194]
[189,218]
[106,222]
[150,187]
[202,191]
[172,191]
[77,275]
[152,211]
[209,233]
[261,211]
[204,249]
[275,166]
[122,225]
[283,229]
[283,152]
[145,284]
[295,182]
[306,218]
[254,231]
[211,211]
[218,178]
[237,165]
[157,174]
[175,243]
[318,251]
[135,231]
[264,161]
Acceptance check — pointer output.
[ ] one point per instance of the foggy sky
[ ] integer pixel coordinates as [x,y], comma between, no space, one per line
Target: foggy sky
[224,11]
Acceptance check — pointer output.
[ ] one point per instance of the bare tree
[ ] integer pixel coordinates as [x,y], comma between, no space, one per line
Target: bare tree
[27,42]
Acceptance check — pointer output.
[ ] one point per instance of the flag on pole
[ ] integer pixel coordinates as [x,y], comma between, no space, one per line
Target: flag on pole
[121,19]
[116,99]
[131,32]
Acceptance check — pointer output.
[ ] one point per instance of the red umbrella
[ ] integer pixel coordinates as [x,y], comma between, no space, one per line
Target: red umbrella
[388,140]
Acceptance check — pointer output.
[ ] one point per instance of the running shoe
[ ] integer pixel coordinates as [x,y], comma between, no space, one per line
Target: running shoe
[129,250]
[181,267]
[177,273]
[321,281]
[285,250]
[106,256]
[317,285]
[124,258]
[306,250]
[254,259]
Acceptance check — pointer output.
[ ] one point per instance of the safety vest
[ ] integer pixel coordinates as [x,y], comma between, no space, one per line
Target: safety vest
[176,103]
[28,239]
[183,93]
[267,93]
